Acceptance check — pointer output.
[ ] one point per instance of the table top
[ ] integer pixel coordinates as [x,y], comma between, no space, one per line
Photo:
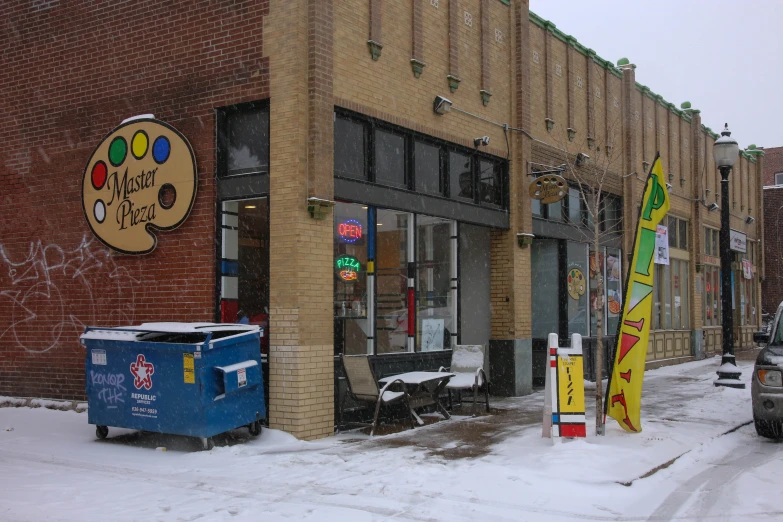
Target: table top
[418,377]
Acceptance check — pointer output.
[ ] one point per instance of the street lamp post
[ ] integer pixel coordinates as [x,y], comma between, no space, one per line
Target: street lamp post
[725,152]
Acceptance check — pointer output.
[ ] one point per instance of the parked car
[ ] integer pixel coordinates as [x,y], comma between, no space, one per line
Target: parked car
[767,381]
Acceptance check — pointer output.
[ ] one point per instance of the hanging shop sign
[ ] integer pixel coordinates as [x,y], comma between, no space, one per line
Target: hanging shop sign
[738,241]
[141,177]
[548,188]
[350,231]
[348,268]
[661,245]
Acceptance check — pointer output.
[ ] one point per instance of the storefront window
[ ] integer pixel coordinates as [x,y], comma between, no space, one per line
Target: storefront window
[248,142]
[350,145]
[350,279]
[574,206]
[490,183]
[554,211]
[576,286]
[597,300]
[390,159]
[392,281]
[614,290]
[426,159]
[676,293]
[685,309]
[545,290]
[461,176]
[244,282]
[657,308]
[434,314]
[613,214]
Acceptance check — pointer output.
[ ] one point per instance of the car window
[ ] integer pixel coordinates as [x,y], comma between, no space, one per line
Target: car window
[778,339]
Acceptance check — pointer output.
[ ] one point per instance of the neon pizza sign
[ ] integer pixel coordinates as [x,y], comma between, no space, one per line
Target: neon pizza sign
[348,268]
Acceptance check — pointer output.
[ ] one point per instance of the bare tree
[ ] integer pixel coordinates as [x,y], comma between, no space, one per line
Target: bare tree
[587,165]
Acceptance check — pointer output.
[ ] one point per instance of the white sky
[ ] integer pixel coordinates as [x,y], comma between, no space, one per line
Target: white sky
[722,56]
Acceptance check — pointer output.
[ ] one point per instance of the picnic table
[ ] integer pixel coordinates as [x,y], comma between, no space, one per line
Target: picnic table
[424,389]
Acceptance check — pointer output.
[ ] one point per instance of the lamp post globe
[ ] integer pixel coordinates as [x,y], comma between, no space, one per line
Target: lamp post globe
[725,152]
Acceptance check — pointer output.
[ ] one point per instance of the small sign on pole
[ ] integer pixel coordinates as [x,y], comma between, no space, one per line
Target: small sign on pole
[564,390]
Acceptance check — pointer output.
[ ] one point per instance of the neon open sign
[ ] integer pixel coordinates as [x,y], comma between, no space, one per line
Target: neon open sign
[349,267]
[350,231]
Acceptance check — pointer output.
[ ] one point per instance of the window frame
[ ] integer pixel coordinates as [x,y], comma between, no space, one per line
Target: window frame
[445,148]
[222,116]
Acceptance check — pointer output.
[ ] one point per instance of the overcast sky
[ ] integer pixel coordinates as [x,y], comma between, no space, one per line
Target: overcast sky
[725,57]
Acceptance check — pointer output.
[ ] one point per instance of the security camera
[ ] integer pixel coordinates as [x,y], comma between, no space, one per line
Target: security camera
[713,207]
[668,186]
[484,140]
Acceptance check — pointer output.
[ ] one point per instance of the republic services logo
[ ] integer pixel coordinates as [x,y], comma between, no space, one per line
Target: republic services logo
[142,373]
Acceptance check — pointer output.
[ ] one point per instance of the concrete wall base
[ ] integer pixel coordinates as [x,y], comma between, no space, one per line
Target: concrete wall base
[511,367]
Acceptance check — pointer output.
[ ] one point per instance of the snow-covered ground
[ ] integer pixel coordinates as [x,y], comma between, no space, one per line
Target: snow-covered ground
[52,468]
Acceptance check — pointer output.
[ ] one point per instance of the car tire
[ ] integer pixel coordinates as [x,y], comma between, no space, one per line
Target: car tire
[769,429]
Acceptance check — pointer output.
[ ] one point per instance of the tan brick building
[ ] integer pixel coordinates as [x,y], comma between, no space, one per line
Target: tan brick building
[335,206]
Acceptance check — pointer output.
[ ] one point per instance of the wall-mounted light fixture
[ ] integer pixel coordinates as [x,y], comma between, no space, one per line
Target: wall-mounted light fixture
[484,140]
[441,105]
[712,207]
[524,239]
[749,220]
[581,159]
[318,208]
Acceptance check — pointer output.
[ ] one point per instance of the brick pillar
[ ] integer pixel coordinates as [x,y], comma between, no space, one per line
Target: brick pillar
[697,232]
[486,42]
[591,87]
[454,21]
[510,350]
[630,151]
[299,38]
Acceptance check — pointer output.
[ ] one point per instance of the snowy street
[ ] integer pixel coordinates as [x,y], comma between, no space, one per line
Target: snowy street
[698,458]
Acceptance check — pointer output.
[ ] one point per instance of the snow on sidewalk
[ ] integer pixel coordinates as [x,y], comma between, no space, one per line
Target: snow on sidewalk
[54,469]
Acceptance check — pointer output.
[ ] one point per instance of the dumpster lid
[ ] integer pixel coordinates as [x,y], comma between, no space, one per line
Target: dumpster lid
[132,333]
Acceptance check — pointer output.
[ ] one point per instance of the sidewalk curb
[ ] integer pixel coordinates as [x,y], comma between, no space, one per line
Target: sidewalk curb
[669,462]
[37,402]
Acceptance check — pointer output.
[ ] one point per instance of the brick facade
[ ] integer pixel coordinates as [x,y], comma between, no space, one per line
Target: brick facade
[63,88]
[773,164]
[772,287]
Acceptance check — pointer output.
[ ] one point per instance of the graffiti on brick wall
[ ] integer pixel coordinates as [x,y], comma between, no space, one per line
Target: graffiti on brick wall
[49,294]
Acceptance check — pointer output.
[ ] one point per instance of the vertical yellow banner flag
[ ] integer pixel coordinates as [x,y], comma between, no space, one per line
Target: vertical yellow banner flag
[624,393]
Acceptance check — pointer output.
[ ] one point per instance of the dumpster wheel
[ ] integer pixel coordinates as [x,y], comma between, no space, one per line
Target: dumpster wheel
[254,428]
[207,443]
[101,431]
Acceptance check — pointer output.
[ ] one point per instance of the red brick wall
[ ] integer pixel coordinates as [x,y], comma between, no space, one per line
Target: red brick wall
[69,73]
[772,286]
[773,163]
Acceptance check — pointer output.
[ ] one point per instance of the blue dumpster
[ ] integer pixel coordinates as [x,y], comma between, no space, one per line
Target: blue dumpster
[193,379]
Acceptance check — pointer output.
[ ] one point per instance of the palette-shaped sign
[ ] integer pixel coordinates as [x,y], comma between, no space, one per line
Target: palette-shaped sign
[141,177]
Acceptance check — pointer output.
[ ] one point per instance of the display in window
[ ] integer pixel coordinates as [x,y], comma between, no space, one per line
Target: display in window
[432,334]
[348,268]
[661,245]
[576,283]
[350,231]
